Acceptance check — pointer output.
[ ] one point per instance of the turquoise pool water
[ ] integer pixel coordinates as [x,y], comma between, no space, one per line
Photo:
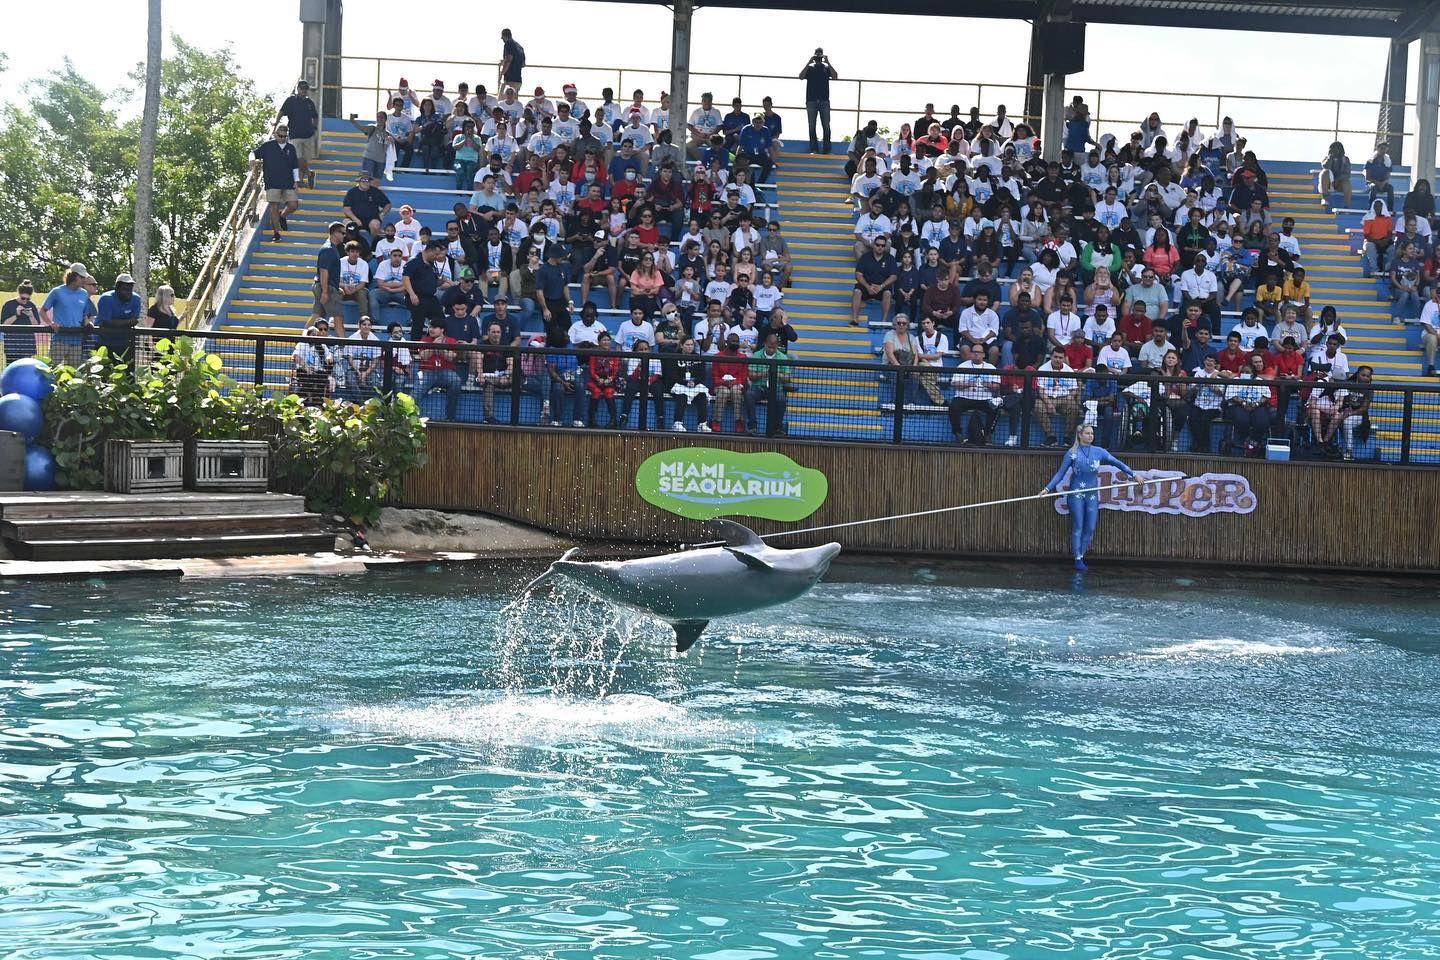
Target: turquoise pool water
[910,763]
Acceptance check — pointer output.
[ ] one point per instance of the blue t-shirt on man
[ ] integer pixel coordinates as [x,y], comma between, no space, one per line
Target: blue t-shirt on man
[278,163]
[755,142]
[71,308]
[117,317]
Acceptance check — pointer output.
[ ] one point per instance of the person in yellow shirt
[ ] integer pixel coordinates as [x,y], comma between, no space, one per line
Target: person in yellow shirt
[1296,293]
[1269,295]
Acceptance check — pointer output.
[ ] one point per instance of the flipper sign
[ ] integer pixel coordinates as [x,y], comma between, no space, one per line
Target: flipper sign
[706,482]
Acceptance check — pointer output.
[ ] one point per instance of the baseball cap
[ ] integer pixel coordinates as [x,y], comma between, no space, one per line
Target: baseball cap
[437,83]
[404,82]
[78,268]
[502,299]
[124,278]
[467,274]
[568,88]
[539,91]
[303,84]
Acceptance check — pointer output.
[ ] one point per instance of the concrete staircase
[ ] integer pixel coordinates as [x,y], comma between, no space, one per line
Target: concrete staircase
[1337,279]
[819,225]
[112,526]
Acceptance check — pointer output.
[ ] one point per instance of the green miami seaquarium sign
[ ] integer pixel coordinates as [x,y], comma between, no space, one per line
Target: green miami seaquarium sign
[706,482]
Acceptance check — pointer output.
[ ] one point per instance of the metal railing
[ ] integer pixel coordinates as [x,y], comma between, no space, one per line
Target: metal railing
[225,252]
[1302,120]
[1398,423]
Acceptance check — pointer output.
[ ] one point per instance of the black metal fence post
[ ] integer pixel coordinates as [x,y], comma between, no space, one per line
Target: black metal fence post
[1027,405]
[772,399]
[517,383]
[387,376]
[259,363]
[898,434]
[1407,423]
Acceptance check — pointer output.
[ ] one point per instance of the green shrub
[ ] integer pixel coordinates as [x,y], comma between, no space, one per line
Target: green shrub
[344,458]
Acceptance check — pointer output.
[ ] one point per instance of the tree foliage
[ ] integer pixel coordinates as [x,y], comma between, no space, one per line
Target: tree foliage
[68,156]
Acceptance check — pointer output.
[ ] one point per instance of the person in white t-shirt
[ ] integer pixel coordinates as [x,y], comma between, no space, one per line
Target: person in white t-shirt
[1099,326]
[390,280]
[871,225]
[1064,323]
[864,183]
[767,296]
[1250,329]
[1114,355]
[711,330]
[978,324]
[934,346]
[974,408]
[1430,328]
[566,128]
[1057,398]
[407,229]
[705,120]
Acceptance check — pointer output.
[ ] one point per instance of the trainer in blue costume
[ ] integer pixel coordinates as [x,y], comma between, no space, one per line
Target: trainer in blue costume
[1082,462]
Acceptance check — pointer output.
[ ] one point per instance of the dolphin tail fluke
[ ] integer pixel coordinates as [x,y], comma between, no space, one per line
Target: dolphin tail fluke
[687,632]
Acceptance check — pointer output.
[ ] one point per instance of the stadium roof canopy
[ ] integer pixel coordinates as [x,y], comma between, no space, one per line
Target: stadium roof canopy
[1394,19]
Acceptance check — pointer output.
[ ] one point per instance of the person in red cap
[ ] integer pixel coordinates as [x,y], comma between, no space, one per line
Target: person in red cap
[578,109]
[542,105]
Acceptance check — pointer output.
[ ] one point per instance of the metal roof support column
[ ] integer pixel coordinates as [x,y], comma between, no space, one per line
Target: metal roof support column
[680,72]
[1429,107]
[1390,126]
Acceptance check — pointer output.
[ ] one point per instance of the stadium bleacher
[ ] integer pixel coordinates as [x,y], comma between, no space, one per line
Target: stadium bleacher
[810,196]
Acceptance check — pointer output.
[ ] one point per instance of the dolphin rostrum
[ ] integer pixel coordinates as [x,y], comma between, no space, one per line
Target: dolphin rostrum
[690,588]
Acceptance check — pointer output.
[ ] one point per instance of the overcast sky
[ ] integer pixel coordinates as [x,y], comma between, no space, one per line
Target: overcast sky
[106,38]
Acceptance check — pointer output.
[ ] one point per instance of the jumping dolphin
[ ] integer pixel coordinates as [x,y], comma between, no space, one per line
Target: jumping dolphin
[689,589]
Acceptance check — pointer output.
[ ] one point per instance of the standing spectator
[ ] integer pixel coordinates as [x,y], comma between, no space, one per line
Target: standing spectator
[377,144]
[22,312]
[817,75]
[279,164]
[304,126]
[512,59]
[68,313]
[1377,176]
[1335,172]
[422,286]
[117,315]
[326,286]
[552,290]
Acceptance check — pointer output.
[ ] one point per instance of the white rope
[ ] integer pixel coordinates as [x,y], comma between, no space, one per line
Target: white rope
[927,513]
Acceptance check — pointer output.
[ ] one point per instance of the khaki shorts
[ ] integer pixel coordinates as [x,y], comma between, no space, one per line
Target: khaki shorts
[308,148]
[283,196]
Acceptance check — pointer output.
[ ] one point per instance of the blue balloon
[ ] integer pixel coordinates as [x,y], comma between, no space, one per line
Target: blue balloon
[39,468]
[28,377]
[21,414]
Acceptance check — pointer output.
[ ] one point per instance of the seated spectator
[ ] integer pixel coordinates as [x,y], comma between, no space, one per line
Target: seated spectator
[875,277]
[976,404]
[439,367]
[978,325]
[1200,286]
[602,381]
[1335,173]
[729,377]
[642,379]
[770,356]
[1406,277]
[934,346]
[684,381]
[1057,398]
[1206,399]
[1248,406]
[756,147]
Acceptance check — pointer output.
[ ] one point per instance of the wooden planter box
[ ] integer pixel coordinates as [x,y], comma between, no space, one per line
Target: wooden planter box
[144,466]
[233,466]
[12,461]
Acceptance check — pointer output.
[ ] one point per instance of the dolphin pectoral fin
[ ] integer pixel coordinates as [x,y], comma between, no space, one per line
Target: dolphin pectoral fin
[732,534]
[687,632]
[549,572]
[747,558]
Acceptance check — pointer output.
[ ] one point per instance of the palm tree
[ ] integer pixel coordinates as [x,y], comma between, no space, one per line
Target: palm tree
[145,176]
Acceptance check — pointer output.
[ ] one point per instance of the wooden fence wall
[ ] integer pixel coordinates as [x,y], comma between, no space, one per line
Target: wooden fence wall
[1309,515]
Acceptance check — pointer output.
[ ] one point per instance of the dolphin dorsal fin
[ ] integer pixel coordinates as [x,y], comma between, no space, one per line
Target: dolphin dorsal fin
[733,534]
[745,556]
